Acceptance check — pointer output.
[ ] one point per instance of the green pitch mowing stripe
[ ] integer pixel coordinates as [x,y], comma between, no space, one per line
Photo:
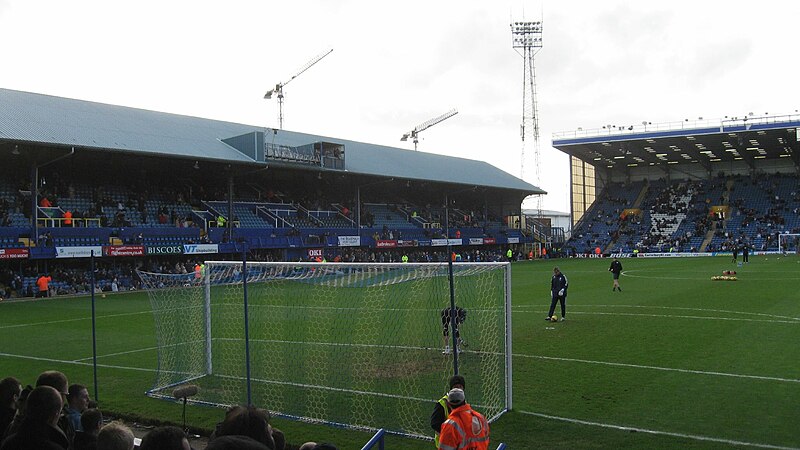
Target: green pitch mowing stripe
[662,364]
[664,433]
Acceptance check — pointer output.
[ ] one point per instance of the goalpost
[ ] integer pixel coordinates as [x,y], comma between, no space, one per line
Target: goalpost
[357,345]
[789,243]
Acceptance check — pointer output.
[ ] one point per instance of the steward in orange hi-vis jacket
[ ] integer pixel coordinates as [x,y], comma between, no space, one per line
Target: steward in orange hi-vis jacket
[465,428]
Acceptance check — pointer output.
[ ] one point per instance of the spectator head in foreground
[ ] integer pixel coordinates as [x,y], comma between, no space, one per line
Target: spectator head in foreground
[115,436]
[234,442]
[78,397]
[165,438]
[43,406]
[251,422]
[92,420]
[54,379]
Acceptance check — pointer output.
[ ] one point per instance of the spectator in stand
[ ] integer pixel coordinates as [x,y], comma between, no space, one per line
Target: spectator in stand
[117,436]
[315,446]
[235,442]
[43,283]
[10,391]
[251,422]
[91,420]
[58,381]
[164,438]
[77,403]
[39,430]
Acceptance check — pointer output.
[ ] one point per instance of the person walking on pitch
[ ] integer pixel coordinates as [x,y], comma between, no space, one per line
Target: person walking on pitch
[615,269]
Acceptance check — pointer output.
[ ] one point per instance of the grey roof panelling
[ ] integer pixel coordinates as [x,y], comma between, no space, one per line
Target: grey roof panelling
[380,160]
[31,117]
[46,119]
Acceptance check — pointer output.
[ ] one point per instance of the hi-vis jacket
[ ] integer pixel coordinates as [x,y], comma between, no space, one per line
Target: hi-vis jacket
[465,429]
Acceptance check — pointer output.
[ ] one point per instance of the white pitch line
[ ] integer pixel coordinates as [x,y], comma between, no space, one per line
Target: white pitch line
[676,316]
[77,363]
[664,369]
[697,309]
[749,275]
[127,352]
[77,319]
[671,307]
[89,358]
[733,319]
[657,432]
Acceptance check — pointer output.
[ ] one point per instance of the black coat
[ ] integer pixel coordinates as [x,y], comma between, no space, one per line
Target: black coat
[558,283]
[36,437]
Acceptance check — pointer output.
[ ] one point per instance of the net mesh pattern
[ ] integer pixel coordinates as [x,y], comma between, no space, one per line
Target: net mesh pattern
[359,345]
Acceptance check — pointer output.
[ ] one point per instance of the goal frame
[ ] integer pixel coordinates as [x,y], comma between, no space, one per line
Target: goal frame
[781,247]
[208,332]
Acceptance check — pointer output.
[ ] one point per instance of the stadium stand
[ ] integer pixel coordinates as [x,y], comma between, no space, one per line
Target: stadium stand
[140,188]
[703,186]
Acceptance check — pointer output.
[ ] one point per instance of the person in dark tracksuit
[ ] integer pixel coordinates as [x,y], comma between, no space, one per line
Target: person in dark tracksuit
[558,293]
[746,253]
[616,269]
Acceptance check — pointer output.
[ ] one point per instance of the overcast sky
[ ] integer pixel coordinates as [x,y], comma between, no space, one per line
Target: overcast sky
[397,64]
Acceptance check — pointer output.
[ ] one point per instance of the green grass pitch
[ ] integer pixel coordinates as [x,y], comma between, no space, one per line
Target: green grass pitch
[675,360]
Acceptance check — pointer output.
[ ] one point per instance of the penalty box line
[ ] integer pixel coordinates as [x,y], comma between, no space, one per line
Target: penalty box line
[673,316]
[679,308]
[664,369]
[77,363]
[695,437]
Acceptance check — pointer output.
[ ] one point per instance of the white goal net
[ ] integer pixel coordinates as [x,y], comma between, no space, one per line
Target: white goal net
[356,345]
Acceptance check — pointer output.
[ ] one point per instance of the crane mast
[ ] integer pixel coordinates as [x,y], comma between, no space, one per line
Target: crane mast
[278,90]
[425,125]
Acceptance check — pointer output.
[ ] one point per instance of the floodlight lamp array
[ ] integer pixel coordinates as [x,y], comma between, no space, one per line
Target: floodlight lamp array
[526,27]
[528,41]
[526,34]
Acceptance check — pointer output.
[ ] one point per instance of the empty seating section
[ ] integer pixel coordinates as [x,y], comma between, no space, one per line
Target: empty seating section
[333,219]
[388,216]
[244,212]
[9,199]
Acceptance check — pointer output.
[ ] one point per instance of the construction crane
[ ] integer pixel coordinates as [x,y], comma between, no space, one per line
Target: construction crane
[278,91]
[425,125]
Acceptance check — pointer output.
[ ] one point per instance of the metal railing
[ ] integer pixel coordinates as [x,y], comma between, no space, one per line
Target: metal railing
[686,124]
[377,439]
